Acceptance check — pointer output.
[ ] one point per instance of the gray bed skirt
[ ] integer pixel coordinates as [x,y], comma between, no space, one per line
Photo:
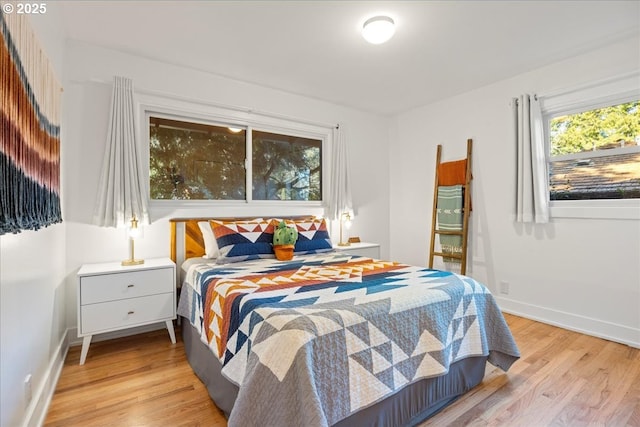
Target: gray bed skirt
[409,407]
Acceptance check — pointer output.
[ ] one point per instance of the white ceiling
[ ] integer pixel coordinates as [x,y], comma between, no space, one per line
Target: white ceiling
[314,48]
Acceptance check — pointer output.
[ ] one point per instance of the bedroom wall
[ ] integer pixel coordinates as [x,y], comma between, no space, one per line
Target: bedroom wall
[32,290]
[583,274]
[87,100]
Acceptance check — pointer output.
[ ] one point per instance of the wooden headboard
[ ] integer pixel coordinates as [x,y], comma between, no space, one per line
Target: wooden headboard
[186,238]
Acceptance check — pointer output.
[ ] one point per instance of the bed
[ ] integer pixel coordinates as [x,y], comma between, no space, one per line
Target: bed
[327,338]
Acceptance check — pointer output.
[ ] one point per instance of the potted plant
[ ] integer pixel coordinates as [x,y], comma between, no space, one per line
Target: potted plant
[284,239]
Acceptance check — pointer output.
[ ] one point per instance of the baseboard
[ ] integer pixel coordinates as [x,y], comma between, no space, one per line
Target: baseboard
[36,413]
[573,322]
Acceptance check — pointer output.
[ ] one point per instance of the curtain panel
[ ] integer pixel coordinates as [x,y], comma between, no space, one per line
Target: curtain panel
[340,190]
[532,181]
[122,191]
[30,97]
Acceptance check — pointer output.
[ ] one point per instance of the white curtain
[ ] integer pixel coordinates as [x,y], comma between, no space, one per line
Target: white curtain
[532,198]
[122,191]
[340,191]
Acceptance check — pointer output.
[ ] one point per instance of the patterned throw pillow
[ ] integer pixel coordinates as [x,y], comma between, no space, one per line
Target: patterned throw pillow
[243,240]
[313,236]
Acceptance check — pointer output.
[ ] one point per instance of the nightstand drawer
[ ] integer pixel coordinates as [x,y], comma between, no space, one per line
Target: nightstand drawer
[133,284]
[125,313]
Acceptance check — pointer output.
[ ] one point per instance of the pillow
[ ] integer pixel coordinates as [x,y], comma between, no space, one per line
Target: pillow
[313,236]
[210,245]
[243,240]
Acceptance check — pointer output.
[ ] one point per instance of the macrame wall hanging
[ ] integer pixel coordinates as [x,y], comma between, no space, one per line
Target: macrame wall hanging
[29,131]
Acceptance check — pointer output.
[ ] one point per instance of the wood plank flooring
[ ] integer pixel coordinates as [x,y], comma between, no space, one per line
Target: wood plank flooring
[563,379]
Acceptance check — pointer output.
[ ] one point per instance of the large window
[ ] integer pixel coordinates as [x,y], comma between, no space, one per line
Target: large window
[200,160]
[594,153]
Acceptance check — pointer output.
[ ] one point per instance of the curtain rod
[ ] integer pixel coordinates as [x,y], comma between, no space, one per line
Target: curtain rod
[589,85]
[239,108]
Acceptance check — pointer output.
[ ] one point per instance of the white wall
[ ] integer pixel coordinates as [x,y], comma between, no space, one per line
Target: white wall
[32,291]
[87,97]
[583,274]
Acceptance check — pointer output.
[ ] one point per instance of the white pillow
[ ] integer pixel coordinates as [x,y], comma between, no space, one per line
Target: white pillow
[211,250]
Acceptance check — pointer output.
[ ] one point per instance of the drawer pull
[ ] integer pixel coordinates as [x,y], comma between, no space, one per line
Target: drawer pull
[131,312]
[131,285]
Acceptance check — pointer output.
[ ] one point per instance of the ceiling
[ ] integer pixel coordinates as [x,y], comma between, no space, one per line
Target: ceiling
[314,48]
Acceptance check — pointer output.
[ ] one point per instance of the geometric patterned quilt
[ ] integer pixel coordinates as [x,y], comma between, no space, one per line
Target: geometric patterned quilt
[312,340]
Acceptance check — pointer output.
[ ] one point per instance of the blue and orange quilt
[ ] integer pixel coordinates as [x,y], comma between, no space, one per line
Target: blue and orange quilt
[336,333]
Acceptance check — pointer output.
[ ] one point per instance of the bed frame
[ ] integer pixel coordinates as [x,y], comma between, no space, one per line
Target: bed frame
[409,407]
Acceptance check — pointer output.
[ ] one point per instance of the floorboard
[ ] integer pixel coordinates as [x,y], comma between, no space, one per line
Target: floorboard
[563,379]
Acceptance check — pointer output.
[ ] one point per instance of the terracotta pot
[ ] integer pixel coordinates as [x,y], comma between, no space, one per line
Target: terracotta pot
[284,252]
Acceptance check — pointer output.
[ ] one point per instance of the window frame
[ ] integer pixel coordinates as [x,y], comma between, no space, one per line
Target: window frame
[605,93]
[231,117]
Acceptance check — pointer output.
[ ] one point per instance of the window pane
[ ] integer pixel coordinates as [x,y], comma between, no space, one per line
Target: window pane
[600,129]
[601,159]
[286,167]
[193,161]
[605,177]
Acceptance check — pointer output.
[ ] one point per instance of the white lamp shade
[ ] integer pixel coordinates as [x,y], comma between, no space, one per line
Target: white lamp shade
[347,220]
[133,232]
[378,29]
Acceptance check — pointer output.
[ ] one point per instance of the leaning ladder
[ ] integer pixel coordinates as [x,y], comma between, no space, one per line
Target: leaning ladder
[466,207]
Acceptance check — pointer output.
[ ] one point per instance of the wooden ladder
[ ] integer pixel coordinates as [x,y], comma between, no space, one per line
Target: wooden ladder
[466,208]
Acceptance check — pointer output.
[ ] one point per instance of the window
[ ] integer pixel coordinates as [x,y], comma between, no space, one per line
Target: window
[286,167]
[193,159]
[595,153]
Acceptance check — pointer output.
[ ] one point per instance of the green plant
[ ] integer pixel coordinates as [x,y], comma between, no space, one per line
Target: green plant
[284,235]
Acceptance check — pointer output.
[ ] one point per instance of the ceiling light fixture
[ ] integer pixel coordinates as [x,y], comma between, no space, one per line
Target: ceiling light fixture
[378,29]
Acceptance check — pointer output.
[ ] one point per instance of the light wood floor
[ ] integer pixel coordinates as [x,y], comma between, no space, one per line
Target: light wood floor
[563,379]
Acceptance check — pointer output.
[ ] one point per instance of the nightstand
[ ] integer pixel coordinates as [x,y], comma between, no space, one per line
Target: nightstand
[371,250]
[112,297]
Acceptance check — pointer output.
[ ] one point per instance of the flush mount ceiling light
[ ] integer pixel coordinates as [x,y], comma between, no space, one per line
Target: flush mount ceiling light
[378,29]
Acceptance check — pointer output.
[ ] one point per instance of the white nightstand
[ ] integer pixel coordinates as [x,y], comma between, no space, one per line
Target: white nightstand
[112,297]
[371,250]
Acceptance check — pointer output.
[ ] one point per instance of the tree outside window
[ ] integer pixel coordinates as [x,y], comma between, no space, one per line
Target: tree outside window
[197,161]
[595,154]
[286,167]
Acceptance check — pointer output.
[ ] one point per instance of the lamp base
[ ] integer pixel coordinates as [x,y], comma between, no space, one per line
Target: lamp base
[344,244]
[128,262]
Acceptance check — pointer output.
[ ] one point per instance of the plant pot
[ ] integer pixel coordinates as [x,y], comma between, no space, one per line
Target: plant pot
[283,252]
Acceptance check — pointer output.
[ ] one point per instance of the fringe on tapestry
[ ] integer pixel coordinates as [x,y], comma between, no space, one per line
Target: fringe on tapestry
[30,130]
